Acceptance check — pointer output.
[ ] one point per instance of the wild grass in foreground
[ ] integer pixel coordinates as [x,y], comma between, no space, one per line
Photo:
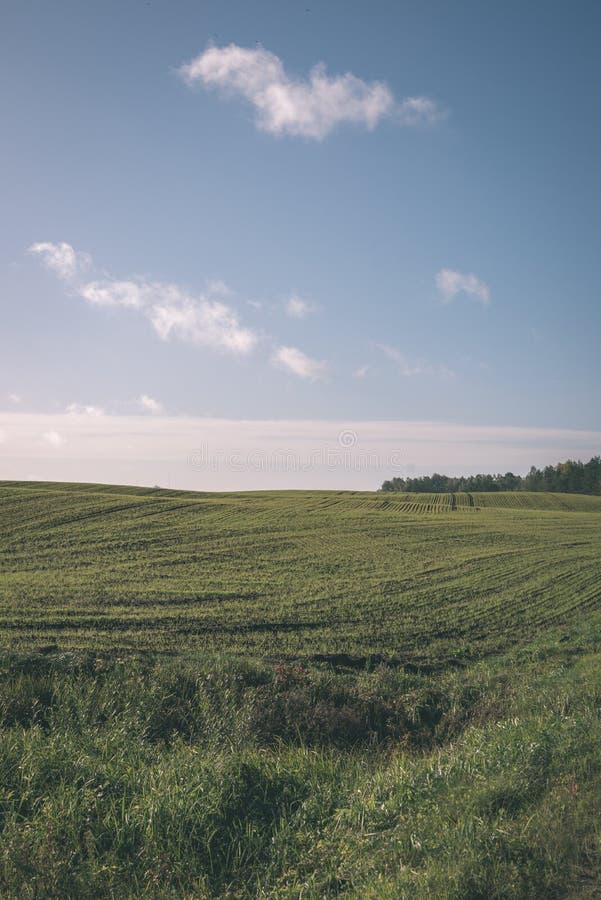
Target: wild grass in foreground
[221,777]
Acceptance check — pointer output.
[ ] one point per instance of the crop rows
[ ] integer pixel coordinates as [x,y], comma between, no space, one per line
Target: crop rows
[293,574]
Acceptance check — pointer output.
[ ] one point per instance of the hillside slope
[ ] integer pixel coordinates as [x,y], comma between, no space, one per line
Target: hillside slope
[351,741]
[297,574]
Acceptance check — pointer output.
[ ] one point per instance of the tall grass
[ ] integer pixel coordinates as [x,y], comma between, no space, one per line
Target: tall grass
[220,778]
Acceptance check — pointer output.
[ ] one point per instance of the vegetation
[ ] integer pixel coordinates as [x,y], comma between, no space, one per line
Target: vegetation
[293,575]
[567,477]
[299,694]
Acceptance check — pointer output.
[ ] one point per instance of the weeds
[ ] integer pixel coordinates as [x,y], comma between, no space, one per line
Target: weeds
[223,778]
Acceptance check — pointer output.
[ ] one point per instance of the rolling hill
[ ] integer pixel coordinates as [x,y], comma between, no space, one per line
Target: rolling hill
[427,578]
[313,694]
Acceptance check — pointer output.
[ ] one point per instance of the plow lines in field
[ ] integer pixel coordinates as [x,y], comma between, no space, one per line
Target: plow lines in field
[293,573]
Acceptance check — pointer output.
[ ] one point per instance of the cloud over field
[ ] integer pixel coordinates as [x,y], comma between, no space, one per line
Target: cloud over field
[293,360]
[309,107]
[451,283]
[297,308]
[173,312]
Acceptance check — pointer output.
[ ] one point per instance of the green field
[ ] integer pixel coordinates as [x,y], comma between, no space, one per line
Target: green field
[427,578]
[299,694]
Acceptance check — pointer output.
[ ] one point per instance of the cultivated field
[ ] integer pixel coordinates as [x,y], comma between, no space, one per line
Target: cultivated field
[426,578]
[301,694]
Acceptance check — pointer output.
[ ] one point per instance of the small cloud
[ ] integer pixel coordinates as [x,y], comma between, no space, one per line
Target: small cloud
[53,438]
[419,111]
[116,293]
[407,367]
[149,404]
[361,372]
[298,363]
[14,398]
[451,283]
[200,321]
[297,308]
[78,409]
[309,107]
[61,259]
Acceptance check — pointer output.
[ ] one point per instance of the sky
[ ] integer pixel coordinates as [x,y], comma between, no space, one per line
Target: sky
[283,229]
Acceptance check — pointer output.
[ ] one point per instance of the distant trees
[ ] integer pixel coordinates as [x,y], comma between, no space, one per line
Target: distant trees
[571,477]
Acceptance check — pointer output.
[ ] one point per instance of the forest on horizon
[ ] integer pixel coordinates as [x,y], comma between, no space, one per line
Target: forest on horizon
[570,477]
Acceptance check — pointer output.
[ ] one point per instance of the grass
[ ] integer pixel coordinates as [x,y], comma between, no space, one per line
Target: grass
[154,779]
[298,694]
[292,575]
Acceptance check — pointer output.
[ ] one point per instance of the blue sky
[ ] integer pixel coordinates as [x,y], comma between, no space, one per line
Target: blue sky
[241,239]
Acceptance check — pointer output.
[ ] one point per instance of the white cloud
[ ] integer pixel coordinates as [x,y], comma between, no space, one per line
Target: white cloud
[13,398]
[408,367]
[53,438]
[78,409]
[419,111]
[297,308]
[149,404]
[310,107]
[61,259]
[298,363]
[451,283]
[361,372]
[116,293]
[202,319]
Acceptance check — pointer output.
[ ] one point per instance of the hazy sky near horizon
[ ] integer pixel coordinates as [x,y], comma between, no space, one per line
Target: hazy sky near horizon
[316,212]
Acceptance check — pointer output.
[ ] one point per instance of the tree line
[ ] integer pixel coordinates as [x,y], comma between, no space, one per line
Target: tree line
[570,477]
